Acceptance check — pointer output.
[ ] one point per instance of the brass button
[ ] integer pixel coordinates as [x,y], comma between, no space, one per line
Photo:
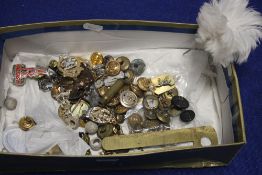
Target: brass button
[113,68]
[150,102]
[144,83]
[135,122]
[70,66]
[150,114]
[105,131]
[163,116]
[120,118]
[96,58]
[53,64]
[128,99]
[124,62]
[80,108]
[138,66]
[164,103]
[119,109]
[137,90]
[26,123]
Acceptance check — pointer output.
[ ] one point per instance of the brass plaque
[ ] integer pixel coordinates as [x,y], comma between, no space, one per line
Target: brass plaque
[160,138]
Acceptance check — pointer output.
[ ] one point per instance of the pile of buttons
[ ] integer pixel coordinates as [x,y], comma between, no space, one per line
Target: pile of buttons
[97,94]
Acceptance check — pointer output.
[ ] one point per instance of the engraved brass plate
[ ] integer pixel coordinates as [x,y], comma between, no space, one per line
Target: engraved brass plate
[160,138]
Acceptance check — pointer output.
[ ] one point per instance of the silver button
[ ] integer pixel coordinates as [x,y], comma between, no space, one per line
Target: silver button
[128,99]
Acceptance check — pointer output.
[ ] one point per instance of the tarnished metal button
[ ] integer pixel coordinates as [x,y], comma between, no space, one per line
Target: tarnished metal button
[187,116]
[95,144]
[112,68]
[138,66]
[96,58]
[135,122]
[105,131]
[69,66]
[91,127]
[150,114]
[128,99]
[170,94]
[26,123]
[144,83]
[150,102]
[120,119]
[101,115]
[124,62]
[179,102]
[120,109]
[139,93]
[108,58]
[163,116]
[151,125]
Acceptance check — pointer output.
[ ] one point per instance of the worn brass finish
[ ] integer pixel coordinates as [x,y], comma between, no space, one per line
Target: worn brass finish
[119,109]
[124,63]
[70,66]
[136,90]
[113,68]
[96,58]
[170,94]
[144,83]
[160,138]
[26,123]
[105,130]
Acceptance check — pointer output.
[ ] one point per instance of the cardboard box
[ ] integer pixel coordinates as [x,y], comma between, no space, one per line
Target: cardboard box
[173,157]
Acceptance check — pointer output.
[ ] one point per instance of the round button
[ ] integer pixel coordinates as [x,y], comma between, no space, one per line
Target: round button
[96,58]
[26,123]
[150,114]
[144,83]
[139,93]
[113,68]
[95,144]
[124,62]
[105,131]
[108,58]
[128,99]
[187,116]
[150,102]
[135,121]
[91,127]
[138,66]
[179,102]
[163,116]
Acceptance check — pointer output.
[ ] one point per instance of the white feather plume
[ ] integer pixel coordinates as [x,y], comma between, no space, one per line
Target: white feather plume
[229,30]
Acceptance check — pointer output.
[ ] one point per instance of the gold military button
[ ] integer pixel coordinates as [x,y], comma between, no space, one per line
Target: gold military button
[144,83]
[124,63]
[119,109]
[113,68]
[26,123]
[96,58]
